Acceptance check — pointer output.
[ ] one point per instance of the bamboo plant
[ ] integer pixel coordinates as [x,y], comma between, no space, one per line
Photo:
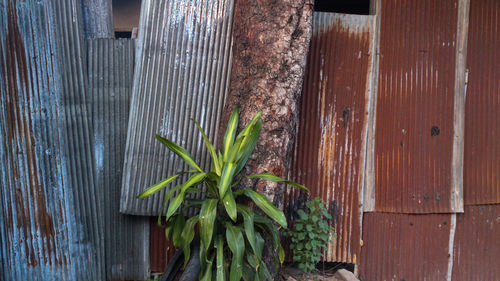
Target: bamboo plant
[231,233]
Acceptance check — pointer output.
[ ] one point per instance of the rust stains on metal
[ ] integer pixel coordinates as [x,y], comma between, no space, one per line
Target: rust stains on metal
[20,146]
[329,154]
[405,247]
[415,106]
[477,244]
[482,122]
[161,251]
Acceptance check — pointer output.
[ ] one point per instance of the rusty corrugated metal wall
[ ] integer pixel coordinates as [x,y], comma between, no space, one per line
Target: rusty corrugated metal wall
[161,250]
[476,250]
[50,222]
[405,247]
[482,122]
[329,157]
[414,133]
[110,73]
[455,246]
[182,70]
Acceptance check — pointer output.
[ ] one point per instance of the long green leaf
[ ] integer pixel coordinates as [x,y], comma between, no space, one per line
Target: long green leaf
[248,145]
[230,205]
[165,200]
[206,265]
[230,134]
[233,151]
[169,229]
[179,223]
[187,236]
[236,244]
[267,207]
[208,213]
[248,128]
[248,272]
[175,148]
[263,272]
[210,147]
[248,223]
[220,259]
[177,201]
[158,186]
[272,231]
[271,177]
[226,178]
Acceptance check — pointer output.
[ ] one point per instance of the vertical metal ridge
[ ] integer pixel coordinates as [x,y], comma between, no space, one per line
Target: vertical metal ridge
[415,113]
[46,154]
[77,132]
[477,247]
[110,72]
[97,17]
[482,122]
[182,62]
[394,243]
[329,154]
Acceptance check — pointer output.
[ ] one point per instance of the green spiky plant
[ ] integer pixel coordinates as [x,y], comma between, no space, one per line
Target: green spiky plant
[231,234]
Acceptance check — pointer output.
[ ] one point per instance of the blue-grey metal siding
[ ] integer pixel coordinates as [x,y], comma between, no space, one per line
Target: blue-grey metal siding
[110,72]
[182,71]
[97,19]
[51,222]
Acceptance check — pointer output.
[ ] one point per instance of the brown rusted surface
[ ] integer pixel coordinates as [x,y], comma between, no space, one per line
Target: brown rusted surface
[329,155]
[160,250]
[405,247]
[31,216]
[415,106]
[482,107]
[476,249]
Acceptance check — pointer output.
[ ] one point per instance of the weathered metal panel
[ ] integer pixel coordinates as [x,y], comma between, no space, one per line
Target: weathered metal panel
[97,16]
[477,244]
[161,250]
[182,67]
[77,130]
[482,122]
[405,247]
[414,139]
[50,224]
[110,72]
[329,157]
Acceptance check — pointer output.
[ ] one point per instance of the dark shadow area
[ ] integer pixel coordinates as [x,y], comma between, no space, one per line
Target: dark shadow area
[123,34]
[359,7]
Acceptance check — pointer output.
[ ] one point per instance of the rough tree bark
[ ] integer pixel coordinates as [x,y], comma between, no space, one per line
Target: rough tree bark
[270,45]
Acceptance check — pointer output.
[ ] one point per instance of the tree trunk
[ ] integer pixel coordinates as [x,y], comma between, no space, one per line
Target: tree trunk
[270,45]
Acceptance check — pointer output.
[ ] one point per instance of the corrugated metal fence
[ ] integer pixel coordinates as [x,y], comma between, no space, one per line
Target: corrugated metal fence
[329,156]
[110,73]
[182,70]
[451,245]
[50,222]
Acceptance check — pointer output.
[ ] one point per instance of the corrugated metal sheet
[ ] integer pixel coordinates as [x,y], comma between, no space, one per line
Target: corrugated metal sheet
[97,18]
[50,223]
[110,72]
[477,244]
[161,250]
[182,67]
[415,107]
[77,132]
[329,156]
[405,247]
[482,122]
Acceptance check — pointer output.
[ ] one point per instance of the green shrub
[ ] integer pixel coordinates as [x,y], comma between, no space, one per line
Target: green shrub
[310,234]
[231,234]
